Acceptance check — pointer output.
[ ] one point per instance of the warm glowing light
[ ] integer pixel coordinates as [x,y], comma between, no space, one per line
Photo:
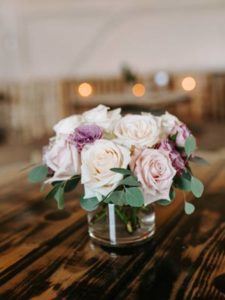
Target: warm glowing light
[138,90]
[188,83]
[85,89]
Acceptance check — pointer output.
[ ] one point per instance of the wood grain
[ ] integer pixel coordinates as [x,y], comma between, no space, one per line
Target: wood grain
[47,254]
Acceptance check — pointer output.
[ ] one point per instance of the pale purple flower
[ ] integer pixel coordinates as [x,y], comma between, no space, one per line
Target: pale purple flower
[85,134]
[182,133]
[176,159]
[45,150]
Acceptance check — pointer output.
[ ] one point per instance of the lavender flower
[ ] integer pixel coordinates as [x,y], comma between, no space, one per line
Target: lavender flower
[85,134]
[177,160]
[182,133]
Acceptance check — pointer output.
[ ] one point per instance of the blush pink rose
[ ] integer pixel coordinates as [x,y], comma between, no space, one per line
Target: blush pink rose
[63,159]
[154,170]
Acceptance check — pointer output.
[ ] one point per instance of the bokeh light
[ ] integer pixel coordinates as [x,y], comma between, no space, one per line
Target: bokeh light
[138,90]
[85,89]
[188,83]
[161,78]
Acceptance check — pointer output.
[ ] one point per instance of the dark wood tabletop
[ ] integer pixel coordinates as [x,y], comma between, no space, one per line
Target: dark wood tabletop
[47,254]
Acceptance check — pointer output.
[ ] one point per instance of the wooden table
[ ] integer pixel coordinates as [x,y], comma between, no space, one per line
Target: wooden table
[150,101]
[46,254]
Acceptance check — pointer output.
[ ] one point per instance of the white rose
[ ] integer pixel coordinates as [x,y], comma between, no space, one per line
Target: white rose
[63,158]
[137,130]
[67,125]
[102,117]
[96,161]
[168,122]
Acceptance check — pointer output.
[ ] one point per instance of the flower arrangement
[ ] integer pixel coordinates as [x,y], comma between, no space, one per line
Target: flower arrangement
[131,160]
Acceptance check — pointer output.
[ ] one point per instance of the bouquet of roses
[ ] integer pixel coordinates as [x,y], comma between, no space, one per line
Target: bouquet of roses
[131,160]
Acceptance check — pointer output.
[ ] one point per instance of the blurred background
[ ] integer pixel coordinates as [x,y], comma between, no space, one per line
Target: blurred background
[58,58]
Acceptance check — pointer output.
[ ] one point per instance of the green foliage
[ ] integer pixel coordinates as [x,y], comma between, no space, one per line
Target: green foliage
[134,197]
[130,181]
[172,194]
[199,160]
[190,145]
[38,174]
[164,202]
[89,204]
[61,187]
[197,187]
[71,183]
[59,197]
[183,182]
[189,208]
[57,193]
[51,194]
[121,171]
[127,192]
[117,198]
[173,137]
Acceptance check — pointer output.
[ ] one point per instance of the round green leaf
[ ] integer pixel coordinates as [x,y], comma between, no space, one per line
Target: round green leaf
[183,183]
[199,160]
[130,181]
[121,171]
[38,174]
[197,187]
[89,204]
[134,197]
[190,145]
[189,208]
[117,198]
[164,202]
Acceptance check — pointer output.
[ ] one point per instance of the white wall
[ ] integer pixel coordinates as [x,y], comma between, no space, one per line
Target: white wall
[56,39]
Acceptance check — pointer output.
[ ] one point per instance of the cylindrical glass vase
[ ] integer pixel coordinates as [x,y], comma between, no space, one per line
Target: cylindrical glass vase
[121,226]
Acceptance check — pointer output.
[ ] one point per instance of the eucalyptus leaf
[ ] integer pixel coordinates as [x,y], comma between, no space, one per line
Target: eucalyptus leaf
[197,187]
[130,181]
[121,171]
[183,183]
[172,194]
[134,197]
[190,145]
[89,204]
[164,202]
[59,197]
[117,198]
[199,160]
[52,193]
[38,174]
[189,208]
[71,183]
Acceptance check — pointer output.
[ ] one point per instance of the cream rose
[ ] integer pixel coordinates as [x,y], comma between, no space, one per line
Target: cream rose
[137,130]
[67,125]
[102,117]
[96,161]
[63,158]
[155,172]
[168,122]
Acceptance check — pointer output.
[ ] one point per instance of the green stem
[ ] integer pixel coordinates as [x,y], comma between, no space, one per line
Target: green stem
[99,216]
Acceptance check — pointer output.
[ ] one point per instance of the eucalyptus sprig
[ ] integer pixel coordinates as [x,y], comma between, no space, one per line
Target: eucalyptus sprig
[61,187]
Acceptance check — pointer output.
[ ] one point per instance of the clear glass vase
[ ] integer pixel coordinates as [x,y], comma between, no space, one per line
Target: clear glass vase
[121,226]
